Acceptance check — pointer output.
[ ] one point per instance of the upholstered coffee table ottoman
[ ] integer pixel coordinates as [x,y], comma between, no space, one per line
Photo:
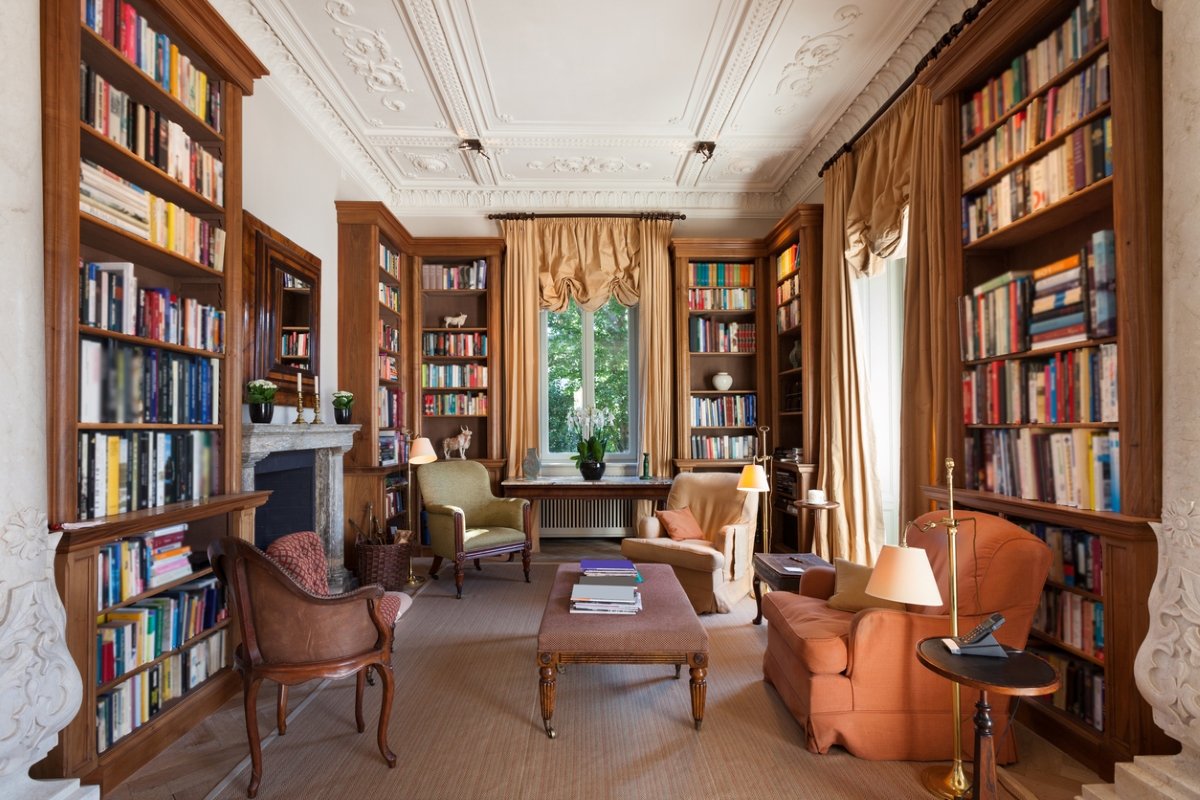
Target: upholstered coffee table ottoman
[665,631]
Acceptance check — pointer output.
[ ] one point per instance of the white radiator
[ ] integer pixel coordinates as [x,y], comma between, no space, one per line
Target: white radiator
[610,518]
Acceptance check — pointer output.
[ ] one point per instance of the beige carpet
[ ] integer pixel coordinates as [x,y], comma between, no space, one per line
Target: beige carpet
[466,721]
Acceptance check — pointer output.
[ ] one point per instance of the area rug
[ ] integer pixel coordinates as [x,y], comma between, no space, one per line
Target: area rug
[466,721]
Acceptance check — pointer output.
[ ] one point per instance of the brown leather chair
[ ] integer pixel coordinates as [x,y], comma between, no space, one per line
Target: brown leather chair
[291,636]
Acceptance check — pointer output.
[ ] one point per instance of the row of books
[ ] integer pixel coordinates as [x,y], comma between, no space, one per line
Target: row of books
[129,567]
[721,299]
[1064,302]
[135,635]
[713,336]
[389,337]
[110,299]
[1081,691]
[1078,555]
[125,383]
[1040,121]
[445,404]
[788,316]
[454,276]
[389,296]
[393,448]
[722,447]
[149,135]
[454,376]
[787,289]
[454,344]
[606,587]
[130,33]
[1083,30]
[1083,159]
[1079,468]
[390,408]
[1073,386]
[110,198]
[136,701]
[389,261]
[136,470]
[720,274]
[787,262]
[1073,620]
[294,343]
[388,368]
[722,412]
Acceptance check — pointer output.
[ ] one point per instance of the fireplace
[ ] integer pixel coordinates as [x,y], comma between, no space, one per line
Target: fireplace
[289,476]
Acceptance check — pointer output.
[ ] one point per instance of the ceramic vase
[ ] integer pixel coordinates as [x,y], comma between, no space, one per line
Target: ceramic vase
[722,381]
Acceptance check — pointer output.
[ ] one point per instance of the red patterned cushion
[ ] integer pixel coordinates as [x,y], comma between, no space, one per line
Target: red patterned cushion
[302,557]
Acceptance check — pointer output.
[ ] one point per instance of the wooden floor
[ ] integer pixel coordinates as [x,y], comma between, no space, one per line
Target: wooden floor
[198,763]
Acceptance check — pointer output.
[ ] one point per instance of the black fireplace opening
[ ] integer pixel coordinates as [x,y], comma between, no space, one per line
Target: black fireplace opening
[292,506]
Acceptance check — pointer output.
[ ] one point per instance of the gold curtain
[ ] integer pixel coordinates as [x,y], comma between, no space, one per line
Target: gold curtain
[589,259]
[654,350]
[521,341]
[928,332]
[846,466]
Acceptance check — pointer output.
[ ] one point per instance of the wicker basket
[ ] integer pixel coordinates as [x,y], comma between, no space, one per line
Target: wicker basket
[385,564]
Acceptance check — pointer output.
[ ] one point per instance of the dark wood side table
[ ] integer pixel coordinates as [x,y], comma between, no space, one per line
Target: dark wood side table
[776,570]
[1021,674]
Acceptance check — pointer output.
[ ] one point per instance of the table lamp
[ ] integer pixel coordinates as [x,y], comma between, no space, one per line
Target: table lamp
[754,479]
[422,452]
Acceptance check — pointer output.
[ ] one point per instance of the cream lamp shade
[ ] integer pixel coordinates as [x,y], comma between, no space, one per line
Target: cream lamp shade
[422,452]
[903,575]
[754,479]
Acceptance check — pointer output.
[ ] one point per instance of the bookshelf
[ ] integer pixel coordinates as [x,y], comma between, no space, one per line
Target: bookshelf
[1119,191]
[374,352]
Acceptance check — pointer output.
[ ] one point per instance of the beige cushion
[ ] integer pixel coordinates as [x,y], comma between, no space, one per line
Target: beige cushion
[695,554]
[850,585]
[482,538]
[680,524]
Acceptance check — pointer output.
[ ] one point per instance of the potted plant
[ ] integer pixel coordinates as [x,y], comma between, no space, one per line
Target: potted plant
[341,407]
[590,425]
[260,394]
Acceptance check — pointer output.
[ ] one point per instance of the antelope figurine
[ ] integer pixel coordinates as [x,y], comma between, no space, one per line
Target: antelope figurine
[459,443]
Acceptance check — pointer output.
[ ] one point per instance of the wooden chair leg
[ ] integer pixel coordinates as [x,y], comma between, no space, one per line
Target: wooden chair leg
[358,696]
[435,566]
[458,578]
[385,712]
[281,711]
[250,697]
[478,566]
[525,562]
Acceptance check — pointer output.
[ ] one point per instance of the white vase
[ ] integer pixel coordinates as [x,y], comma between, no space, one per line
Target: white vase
[722,381]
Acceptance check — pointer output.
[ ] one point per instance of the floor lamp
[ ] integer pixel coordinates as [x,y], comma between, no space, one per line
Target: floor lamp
[420,452]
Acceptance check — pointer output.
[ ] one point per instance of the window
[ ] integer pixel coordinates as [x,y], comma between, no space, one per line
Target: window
[589,359]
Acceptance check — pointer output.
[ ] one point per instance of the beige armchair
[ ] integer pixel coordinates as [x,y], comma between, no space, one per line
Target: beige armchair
[715,571]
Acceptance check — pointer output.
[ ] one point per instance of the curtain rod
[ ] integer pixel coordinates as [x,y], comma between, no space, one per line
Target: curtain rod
[949,36]
[669,215]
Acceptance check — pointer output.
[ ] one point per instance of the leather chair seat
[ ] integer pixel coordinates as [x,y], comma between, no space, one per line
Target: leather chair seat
[483,538]
[694,554]
[816,634]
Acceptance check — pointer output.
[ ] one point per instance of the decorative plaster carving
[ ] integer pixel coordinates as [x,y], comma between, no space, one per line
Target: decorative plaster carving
[589,164]
[813,59]
[369,55]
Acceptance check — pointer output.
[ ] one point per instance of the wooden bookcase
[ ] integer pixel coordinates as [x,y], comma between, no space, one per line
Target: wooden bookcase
[1130,203]
[73,237]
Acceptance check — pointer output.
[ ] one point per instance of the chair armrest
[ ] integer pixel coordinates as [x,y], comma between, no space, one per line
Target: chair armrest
[503,512]
[447,524]
[731,541]
[817,582]
[649,528]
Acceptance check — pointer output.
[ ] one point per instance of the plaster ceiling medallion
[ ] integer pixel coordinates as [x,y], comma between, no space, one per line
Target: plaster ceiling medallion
[588,164]
[814,59]
[370,55]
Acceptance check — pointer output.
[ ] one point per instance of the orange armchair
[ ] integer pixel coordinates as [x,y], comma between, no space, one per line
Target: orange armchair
[854,679]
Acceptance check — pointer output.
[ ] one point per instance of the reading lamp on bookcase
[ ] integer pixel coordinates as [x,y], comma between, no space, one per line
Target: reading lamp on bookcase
[420,452]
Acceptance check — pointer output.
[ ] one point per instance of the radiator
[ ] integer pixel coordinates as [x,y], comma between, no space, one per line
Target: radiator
[612,518]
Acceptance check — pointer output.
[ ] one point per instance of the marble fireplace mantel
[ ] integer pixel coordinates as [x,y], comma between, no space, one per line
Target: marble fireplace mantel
[329,443]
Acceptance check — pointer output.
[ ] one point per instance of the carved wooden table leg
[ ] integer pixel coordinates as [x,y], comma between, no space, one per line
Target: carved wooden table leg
[699,688]
[985,754]
[758,599]
[547,697]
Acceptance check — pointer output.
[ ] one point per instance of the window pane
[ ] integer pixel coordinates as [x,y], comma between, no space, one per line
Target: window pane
[564,374]
[611,358]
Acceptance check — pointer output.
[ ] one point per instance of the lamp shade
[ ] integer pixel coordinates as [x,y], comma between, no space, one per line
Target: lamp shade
[422,452]
[754,479]
[903,575]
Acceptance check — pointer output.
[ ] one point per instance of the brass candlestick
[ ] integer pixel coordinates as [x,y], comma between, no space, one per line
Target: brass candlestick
[300,420]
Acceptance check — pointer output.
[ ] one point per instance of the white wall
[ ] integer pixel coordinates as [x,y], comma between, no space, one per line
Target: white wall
[291,182]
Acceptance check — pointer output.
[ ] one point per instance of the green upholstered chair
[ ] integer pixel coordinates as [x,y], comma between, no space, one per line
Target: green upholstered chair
[467,521]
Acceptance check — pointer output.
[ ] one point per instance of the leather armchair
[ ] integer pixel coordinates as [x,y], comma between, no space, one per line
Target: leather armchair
[715,571]
[467,521]
[854,679]
[291,635]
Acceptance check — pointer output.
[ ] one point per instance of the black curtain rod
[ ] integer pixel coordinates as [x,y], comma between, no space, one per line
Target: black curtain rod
[646,215]
[969,16]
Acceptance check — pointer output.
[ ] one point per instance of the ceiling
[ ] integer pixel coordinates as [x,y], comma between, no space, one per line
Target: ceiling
[579,105]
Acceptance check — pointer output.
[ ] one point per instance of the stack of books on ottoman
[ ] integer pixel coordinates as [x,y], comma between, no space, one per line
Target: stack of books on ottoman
[607,587]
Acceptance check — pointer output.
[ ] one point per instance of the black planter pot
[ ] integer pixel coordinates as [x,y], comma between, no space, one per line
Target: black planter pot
[262,412]
[341,416]
[592,470]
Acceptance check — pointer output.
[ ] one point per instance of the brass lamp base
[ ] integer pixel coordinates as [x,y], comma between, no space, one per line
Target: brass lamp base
[946,782]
